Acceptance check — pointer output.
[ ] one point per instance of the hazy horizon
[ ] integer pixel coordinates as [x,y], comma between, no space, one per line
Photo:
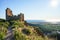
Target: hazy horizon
[33,9]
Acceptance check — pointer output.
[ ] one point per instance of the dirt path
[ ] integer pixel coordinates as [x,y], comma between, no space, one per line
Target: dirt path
[9,34]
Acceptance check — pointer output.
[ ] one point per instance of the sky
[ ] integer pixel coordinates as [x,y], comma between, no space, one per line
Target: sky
[48,10]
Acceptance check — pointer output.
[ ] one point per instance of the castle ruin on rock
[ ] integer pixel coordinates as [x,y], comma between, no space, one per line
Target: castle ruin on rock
[10,16]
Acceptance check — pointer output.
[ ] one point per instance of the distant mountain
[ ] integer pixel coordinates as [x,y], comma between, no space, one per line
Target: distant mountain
[41,22]
[29,21]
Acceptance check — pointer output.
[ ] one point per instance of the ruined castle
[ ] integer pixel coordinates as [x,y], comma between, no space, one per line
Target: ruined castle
[10,16]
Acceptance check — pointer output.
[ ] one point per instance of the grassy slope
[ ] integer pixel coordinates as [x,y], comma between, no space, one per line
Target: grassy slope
[28,34]
[21,32]
[3,28]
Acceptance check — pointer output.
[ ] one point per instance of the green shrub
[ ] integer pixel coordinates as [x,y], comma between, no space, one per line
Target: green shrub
[26,31]
[17,24]
[2,35]
[18,36]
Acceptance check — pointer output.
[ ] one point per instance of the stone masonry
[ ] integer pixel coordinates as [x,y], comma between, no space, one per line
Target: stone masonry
[10,16]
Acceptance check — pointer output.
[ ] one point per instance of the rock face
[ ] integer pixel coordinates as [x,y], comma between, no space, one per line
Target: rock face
[10,16]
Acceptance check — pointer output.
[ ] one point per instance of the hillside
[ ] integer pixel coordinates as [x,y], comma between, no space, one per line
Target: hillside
[17,30]
[46,26]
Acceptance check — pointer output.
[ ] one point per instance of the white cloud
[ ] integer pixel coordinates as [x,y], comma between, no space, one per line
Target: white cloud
[54,3]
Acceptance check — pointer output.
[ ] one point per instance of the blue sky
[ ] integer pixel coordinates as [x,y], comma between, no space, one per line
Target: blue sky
[33,9]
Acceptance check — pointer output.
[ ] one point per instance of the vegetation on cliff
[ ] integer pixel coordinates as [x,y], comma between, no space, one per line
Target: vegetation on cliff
[3,28]
[21,31]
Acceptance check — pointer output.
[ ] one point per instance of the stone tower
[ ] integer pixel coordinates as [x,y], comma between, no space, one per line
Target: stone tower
[8,14]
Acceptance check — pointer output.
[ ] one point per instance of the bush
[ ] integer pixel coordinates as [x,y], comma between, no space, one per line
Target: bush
[26,31]
[17,24]
[2,35]
[18,36]
[3,29]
